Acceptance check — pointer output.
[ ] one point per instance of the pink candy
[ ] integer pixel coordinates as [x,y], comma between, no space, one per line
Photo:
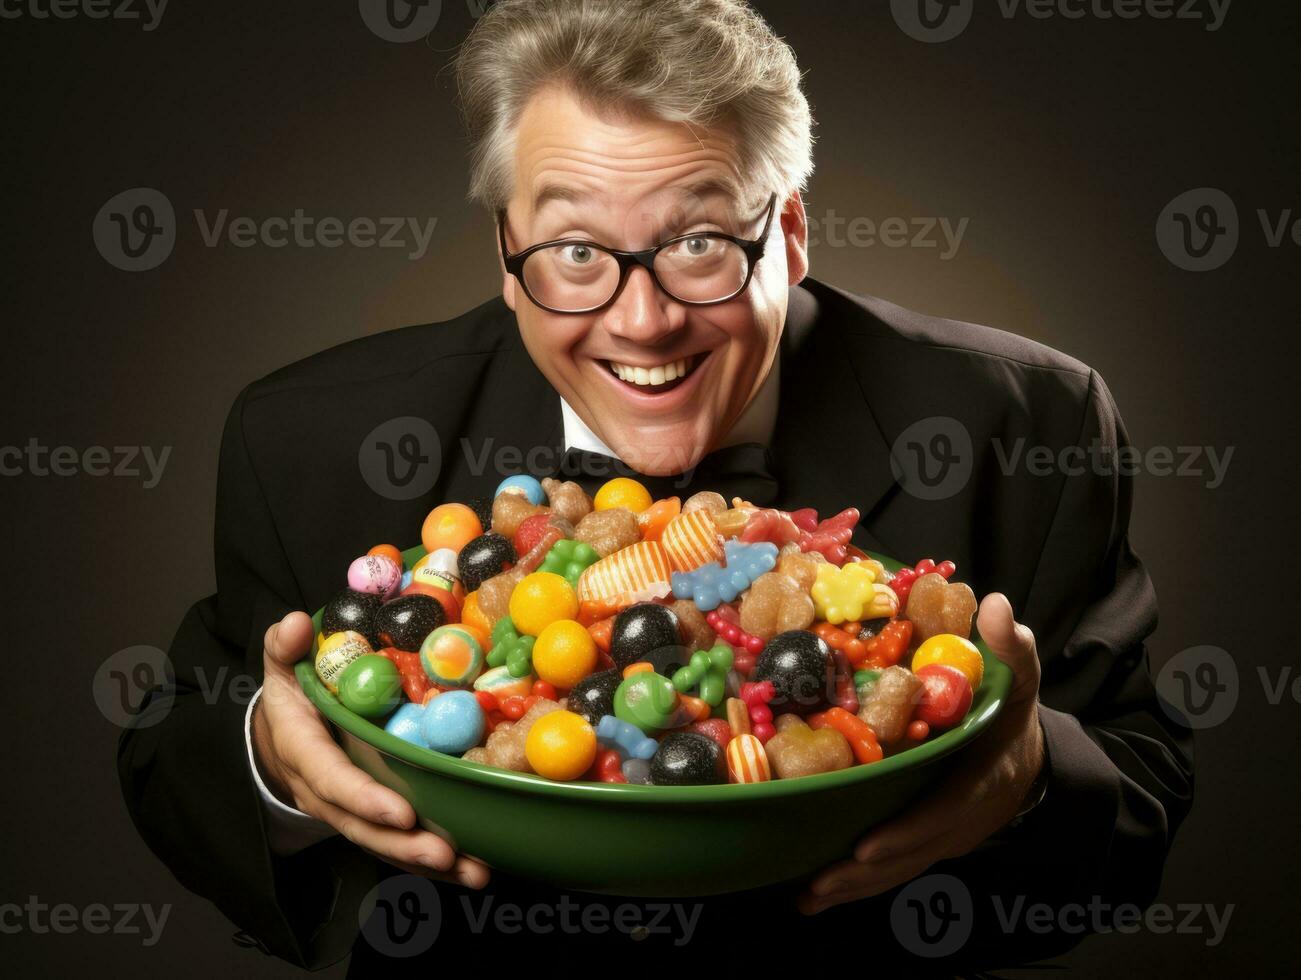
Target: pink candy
[377,574]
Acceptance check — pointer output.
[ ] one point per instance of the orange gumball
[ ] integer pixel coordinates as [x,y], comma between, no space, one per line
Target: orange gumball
[471,615]
[388,551]
[450,526]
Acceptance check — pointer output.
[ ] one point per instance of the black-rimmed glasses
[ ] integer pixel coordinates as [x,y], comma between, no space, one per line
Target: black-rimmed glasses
[573,275]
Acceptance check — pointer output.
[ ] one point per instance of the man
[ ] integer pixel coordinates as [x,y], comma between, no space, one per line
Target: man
[644,162]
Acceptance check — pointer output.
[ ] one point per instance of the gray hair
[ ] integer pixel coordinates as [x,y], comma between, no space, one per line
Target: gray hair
[700,62]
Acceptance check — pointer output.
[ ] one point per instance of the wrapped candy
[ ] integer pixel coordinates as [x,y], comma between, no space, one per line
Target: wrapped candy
[706,500]
[637,572]
[691,540]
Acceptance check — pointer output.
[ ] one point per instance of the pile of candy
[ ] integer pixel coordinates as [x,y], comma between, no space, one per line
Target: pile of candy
[624,639]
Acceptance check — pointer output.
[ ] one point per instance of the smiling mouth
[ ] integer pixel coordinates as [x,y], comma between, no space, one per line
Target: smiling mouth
[657,379]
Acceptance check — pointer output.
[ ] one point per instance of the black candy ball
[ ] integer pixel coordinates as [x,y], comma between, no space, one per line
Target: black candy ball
[799,665]
[871,627]
[483,557]
[352,610]
[687,759]
[593,696]
[406,621]
[482,507]
[645,631]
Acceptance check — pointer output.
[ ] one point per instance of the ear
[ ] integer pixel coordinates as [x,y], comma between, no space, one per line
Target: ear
[507,281]
[795,234]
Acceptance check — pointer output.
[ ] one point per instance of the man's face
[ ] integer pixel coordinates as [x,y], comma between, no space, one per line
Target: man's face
[631,184]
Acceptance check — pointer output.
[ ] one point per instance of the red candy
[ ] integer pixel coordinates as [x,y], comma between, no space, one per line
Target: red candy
[887,648]
[843,638]
[415,682]
[772,525]
[716,728]
[530,532]
[756,698]
[831,537]
[607,767]
[745,647]
[903,580]
[946,696]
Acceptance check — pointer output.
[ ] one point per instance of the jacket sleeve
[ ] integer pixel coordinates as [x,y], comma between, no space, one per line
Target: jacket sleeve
[1119,771]
[183,765]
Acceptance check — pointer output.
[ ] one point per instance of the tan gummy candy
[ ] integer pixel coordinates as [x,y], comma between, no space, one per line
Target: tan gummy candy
[505,746]
[494,594]
[697,634]
[798,750]
[773,604]
[567,499]
[608,530]
[936,606]
[704,500]
[888,707]
[509,511]
[802,566]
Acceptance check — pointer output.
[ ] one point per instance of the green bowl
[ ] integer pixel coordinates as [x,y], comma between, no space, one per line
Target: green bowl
[650,841]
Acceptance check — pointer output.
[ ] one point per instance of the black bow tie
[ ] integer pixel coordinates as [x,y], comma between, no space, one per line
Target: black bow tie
[743,470]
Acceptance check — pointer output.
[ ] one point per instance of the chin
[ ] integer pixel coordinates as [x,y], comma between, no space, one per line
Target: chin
[665,453]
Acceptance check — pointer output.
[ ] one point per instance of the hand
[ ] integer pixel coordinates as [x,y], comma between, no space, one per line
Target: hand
[302,765]
[976,800]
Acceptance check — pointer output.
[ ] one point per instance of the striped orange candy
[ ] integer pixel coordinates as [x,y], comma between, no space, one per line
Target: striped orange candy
[691,540]
[639,571]
[747,762]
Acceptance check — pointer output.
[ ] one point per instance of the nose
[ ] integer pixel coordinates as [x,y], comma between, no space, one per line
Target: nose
[643,314]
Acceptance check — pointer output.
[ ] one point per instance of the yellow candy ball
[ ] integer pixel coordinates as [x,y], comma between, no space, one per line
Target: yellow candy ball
[952,651]
[564,653]
[560,746]
[541,599]
[622,492]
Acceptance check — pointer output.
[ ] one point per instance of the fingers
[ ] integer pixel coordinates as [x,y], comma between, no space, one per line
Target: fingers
[1012,642]
[288,641]
[416,850]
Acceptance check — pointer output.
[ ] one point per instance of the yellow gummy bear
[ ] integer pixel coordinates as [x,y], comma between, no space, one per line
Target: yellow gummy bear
[840,594]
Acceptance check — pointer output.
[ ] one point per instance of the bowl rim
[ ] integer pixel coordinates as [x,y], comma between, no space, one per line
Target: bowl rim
[986,705]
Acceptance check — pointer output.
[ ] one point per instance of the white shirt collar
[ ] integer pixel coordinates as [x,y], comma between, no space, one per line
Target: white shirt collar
[756,423]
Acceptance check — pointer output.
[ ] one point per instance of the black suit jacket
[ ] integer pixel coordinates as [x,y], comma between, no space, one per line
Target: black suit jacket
[293,510]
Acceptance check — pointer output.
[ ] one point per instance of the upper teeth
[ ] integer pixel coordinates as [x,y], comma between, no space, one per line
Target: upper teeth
[657,375]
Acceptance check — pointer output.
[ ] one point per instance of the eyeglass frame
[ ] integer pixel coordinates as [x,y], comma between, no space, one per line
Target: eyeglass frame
[753,249]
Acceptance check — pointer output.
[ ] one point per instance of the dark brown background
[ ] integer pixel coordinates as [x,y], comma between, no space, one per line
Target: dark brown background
[1060,140]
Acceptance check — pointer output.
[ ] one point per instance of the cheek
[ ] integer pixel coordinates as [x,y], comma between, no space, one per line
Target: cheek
[551,340]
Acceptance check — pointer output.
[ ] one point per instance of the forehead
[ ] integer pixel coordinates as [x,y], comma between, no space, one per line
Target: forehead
[567,155]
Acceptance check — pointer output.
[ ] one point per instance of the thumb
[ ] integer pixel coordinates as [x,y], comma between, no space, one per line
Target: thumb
[287,641]
[1012,642]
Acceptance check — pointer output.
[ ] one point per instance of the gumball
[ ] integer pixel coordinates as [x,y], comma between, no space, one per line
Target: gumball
[530,532]
[336,653]
[450,526]
[540,599]
[370,686]
[649,701]
[482,507]
[437,569]
[716,728]
[500,682]
[453,722]
[564,653]
[946,696]
[352,610]
[407,620]
[561,746]
[377,574]
[622,492]
[405,723]
[451,605]
[687,759]
[799,665]
[487,555]
[451,656]
[953,651]
[388,551]
[593,696]
[523,484]
[643,631]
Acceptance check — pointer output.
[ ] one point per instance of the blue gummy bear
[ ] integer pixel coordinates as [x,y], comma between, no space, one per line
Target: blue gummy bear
[614,733]
[712,584]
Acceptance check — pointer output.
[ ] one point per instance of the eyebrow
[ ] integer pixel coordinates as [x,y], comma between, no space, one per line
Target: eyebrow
[707,187]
